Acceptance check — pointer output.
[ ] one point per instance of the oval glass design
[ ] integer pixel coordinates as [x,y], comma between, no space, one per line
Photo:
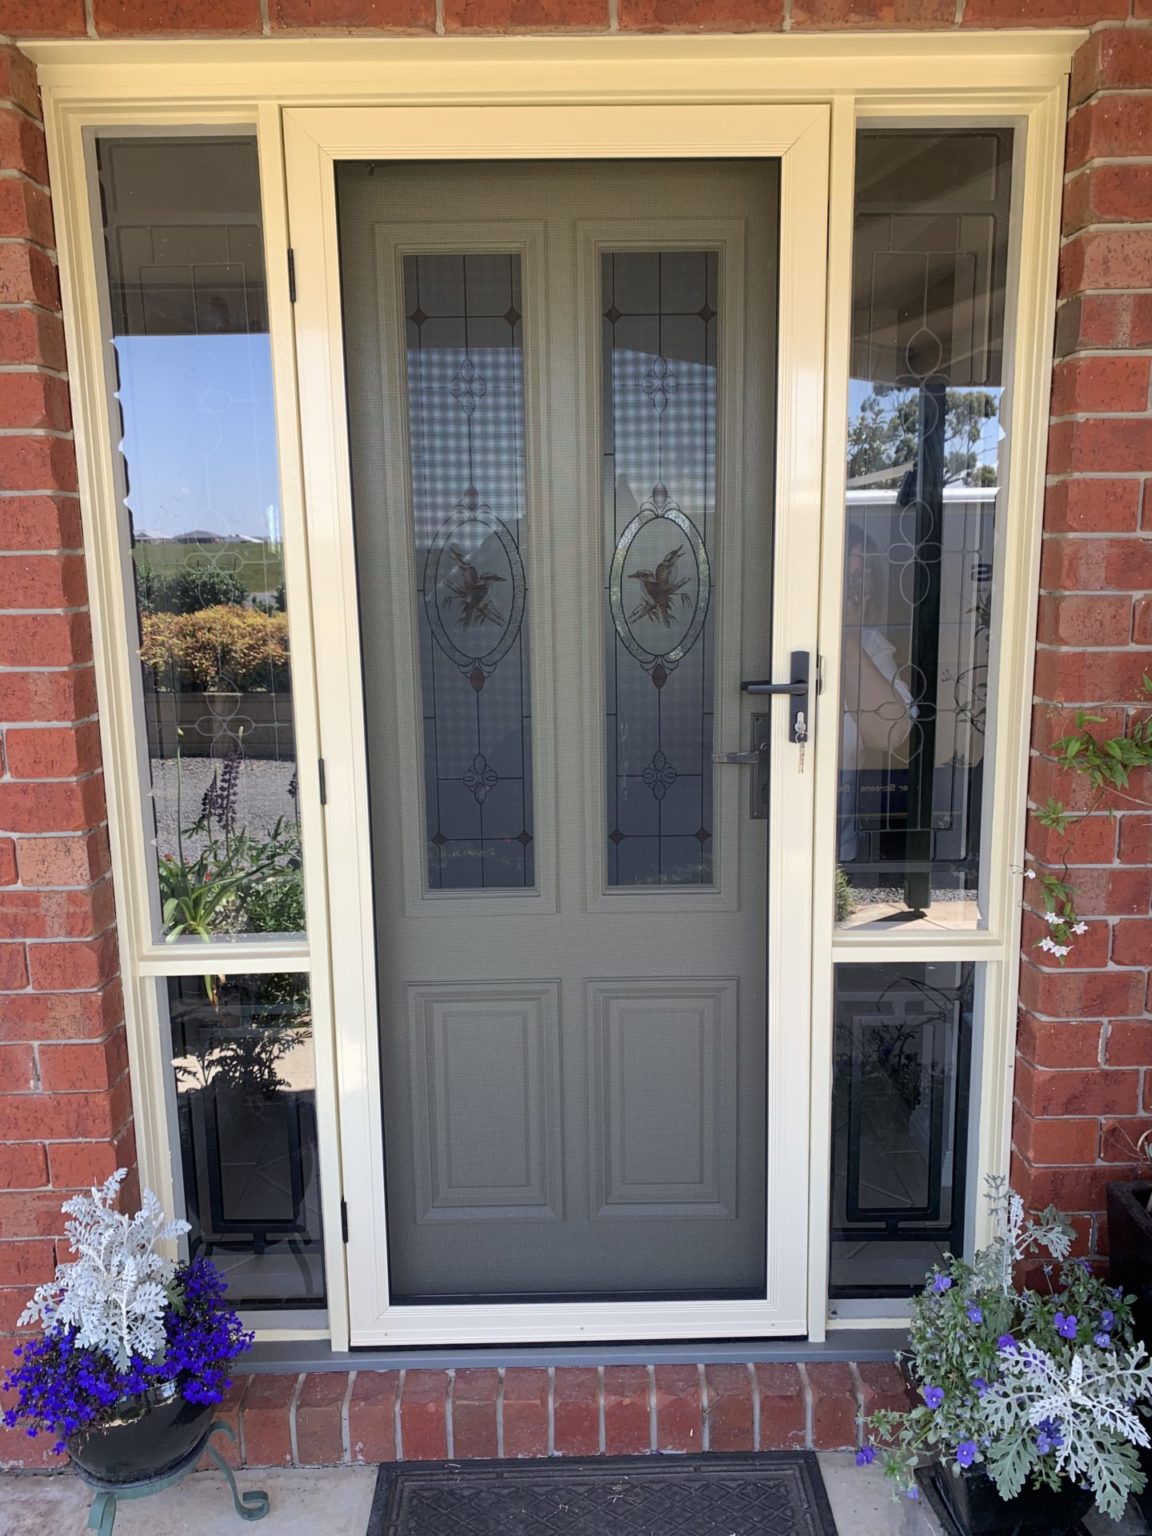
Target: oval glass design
[474,591]
[660,583]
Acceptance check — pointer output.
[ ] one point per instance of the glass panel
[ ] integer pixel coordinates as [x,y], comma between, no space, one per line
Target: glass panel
[245,1086]
[659,390]
[903,1044]
[201,514]
[925,446]
[466,445]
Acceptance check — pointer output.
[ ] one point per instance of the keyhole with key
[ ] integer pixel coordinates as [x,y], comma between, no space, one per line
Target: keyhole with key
[800,737]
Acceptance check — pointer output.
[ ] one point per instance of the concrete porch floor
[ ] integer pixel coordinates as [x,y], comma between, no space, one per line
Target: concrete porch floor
[337,1500]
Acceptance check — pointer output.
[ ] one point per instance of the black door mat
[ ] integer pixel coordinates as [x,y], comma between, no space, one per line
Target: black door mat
[929,1479]
[771,1494]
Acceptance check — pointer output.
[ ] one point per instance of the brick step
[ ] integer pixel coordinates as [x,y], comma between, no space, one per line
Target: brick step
[329,1418]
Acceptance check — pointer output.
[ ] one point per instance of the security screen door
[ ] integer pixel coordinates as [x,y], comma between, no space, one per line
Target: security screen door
[560,380]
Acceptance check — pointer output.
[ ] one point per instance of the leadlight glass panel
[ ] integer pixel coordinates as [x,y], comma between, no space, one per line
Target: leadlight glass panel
[925,472]
[200,499]
[660,326]
[903,1037]
[465,370]
[244,1081]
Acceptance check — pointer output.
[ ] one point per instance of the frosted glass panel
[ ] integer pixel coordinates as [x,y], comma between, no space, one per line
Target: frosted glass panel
[659,386]
[466,447]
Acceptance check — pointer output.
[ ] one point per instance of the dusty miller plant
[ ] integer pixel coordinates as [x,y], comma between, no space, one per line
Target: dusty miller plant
[1038,1385]
[114,1293]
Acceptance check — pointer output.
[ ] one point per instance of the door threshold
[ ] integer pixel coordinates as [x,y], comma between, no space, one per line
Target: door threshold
[274,1356]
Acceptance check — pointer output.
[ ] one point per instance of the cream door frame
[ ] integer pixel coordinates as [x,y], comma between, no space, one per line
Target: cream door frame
[173,85]
[798,136]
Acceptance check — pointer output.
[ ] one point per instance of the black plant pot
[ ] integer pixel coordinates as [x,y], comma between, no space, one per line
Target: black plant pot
[978,1510]
[1130,1250]
[150,1435]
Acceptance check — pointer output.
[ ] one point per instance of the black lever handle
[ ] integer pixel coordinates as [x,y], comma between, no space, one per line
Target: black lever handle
[797,690]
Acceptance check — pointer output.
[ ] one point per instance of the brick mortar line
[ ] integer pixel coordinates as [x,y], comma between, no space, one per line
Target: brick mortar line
[806,1388]
[653,1427]
[859,1388]
[345,1426]
[550,1435]
[241,1434]
[449,1403]
[754,1389]
[500,1412]
[705,1410]
[601,1435]
[397,1418]
[293,1440]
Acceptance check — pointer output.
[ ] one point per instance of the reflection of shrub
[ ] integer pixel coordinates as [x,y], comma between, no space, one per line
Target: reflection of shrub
[188,591]
[226,646]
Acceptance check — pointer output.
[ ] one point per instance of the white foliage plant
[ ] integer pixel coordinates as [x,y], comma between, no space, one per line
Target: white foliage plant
[114,1292]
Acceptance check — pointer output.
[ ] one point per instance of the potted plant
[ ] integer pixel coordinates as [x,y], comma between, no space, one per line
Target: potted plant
[1029,1399]
[135,1347]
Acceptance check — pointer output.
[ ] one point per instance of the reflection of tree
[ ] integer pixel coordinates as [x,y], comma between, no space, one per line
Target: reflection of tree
[240,1043]
[886,435]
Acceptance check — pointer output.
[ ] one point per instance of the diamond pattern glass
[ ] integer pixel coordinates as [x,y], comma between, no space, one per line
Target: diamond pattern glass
[465,373]
[659,492]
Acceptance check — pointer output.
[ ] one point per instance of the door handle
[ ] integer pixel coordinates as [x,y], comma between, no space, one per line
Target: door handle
[796,690]
[757,755]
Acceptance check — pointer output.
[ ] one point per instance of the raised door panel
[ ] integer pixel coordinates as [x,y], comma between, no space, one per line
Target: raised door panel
[485,1102]
[664,1111]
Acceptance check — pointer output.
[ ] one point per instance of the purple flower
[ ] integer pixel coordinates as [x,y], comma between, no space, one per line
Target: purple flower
[981,1385]
[912,1493]
[933,1396]
[1103,1341]
[974,1313]
[1048,1436]
[1066,1326]
[941,1284]
[1107,1318]
[866,1455]
[966,1453]
[1005,1342]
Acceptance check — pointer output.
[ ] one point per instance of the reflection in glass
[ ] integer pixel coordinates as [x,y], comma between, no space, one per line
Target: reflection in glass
[924,471]
[466,448]
[189,332]
[245,1087]
[659,445]
[903,1049]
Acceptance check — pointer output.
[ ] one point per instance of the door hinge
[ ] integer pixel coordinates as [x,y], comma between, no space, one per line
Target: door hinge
[291,275]
[344,1220]
[323,781]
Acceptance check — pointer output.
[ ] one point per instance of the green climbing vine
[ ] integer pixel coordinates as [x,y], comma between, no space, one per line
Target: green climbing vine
[1107,763]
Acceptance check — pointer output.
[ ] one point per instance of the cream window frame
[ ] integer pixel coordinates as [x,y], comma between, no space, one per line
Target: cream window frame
[960,78]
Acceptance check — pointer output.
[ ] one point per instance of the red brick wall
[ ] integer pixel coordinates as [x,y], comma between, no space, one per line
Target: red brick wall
[1086,1035]
[65,1109]
[1084,1071]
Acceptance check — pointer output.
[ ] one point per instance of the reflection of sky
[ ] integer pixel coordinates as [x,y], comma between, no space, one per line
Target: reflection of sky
[199,434]
[986,449]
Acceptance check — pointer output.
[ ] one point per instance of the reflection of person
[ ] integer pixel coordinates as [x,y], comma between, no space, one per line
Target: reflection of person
[877,702]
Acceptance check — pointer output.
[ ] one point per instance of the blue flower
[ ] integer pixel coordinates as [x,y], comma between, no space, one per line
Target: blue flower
[1066,1326]
[974,1313]
[1048,1436]
[912,1493]
[941,1284]
[1006,1342]
[981,1385]
[933,1396]
[966,1453]
[1107,1318]
[1103,1341]
[866,1455]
